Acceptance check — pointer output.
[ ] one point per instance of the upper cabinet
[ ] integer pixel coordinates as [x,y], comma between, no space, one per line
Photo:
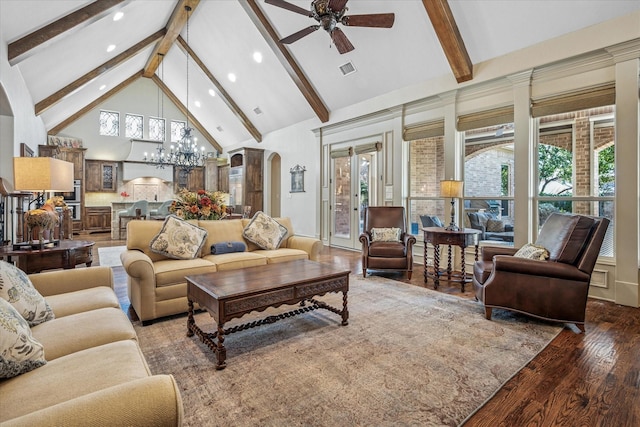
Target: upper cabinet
[101,176]
[192,181]
[73,155]
[246,178]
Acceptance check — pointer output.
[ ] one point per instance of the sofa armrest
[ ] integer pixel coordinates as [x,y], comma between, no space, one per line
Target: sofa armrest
[150,401]
[63,281]
[137,264]
[308,244]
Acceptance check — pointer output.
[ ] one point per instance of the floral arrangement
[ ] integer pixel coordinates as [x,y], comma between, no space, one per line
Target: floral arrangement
[125,194]
[199,205]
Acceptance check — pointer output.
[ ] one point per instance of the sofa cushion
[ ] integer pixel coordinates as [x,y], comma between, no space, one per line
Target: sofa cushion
[264,231]
[69,334]
[385,234]
[17,289]
[531,251]
[236,260]
[74,375]
[19,351]
[387,249]
[171,272]
[282,255]
[83,300]
[178,239]
[218,231]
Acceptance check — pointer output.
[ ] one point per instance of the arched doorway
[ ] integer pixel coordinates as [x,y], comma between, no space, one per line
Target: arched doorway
[275,185]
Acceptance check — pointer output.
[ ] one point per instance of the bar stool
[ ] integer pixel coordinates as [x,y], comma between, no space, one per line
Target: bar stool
[137,211]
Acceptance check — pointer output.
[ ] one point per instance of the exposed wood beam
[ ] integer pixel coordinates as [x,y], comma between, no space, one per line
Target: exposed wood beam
[51,100]
[226,98]
[447,30]
[286,59]
[174,26]
[186,112]
[39,39]
[75,116]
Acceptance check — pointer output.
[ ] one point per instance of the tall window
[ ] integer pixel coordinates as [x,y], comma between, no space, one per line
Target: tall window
[576,166]
[157,130]
[177,128]
[109,123]
[133,126]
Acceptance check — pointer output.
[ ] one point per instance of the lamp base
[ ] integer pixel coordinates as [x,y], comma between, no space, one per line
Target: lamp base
[452,225]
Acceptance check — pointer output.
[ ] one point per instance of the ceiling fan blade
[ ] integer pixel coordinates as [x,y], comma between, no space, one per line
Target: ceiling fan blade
[341,41]
[290,7]
[337,5]
[299,34]
[380,20]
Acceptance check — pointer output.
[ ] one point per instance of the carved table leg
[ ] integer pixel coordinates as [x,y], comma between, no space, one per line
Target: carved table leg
[436,266]
[345,311]
[426,268]
[449,265]
[463,279]
[190,321]
[221,351]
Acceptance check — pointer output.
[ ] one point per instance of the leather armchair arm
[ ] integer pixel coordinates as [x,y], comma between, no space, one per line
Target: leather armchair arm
[408,240]
[488,252]
[556,270]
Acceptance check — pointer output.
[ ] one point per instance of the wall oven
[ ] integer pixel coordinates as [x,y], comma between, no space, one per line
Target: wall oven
[76,213]
[71,196]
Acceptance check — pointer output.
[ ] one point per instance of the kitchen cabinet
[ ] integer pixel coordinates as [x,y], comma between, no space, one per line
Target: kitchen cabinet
[100,176]
[193,181]
[97,219]
[246,178]
[223,178]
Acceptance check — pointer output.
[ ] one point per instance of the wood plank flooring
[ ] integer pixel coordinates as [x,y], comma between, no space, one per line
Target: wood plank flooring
[590,379]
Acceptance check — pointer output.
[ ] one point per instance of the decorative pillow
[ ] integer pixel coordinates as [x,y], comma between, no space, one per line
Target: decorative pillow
[495,225]
[227,247]
[385,234]
[532,251]
[19,351]
[178,239]
[264,231]
[17,289]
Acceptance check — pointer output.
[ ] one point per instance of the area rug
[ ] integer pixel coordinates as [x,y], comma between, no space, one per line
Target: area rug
[409,356]
[110,256]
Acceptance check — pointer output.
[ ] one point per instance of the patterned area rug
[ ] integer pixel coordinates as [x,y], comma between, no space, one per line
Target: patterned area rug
[409,356]
[110,256]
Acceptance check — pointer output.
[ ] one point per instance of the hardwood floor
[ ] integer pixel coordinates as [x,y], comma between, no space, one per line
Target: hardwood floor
[590,379]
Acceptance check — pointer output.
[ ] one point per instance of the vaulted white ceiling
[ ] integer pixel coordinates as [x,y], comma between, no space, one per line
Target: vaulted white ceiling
[224,37]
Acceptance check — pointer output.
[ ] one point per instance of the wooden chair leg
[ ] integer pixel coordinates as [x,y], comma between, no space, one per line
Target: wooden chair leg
[409,274]
[364,273]
[487,312]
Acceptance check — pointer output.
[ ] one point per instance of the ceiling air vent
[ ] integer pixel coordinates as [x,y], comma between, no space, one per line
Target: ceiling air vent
[257,110]
[219,128]
[347,69]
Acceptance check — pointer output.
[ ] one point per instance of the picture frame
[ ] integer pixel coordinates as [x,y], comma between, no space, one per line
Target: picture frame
[25,150]
[297,179]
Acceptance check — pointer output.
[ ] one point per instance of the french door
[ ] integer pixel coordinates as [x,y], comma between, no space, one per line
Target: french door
[353,188]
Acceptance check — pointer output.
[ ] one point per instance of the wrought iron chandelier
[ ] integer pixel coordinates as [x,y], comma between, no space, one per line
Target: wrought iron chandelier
[188,155]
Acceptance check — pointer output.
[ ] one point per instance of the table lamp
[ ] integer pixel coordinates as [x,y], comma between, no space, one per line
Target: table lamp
[453,189]
[40,174]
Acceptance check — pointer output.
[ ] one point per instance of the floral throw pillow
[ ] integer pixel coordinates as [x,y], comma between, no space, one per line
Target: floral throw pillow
[19,351]
[532,251]
[385,234]
[178,239]
[17,290]
[264,231]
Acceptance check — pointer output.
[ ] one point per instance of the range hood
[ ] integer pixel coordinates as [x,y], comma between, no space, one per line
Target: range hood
[134,166]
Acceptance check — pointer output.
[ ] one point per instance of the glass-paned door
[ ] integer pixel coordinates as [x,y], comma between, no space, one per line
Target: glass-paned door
[353,189]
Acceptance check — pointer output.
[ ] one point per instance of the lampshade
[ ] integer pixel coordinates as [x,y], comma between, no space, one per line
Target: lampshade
[42,174]
[451,188]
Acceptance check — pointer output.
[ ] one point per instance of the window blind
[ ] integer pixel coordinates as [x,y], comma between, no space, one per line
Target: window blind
[485,118]
[423,130]
[368,148]
[342,152]
[597,96]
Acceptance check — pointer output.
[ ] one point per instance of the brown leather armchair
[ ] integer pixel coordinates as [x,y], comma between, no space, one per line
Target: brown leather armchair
[386,255]
[555,289]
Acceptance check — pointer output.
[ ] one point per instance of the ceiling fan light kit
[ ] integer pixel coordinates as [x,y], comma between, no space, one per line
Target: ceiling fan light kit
[330,13]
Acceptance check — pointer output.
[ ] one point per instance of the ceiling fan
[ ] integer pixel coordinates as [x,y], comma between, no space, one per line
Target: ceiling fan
[330,13]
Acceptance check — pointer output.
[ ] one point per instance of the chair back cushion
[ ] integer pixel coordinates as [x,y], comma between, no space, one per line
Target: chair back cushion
[385,217]
[565,236]
[478,220]
[430,221]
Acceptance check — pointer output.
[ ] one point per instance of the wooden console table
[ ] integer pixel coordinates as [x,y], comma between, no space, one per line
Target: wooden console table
[439,236]
[67,254]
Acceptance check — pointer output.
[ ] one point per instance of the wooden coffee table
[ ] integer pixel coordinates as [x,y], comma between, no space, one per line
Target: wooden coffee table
[232,294]
[67,254]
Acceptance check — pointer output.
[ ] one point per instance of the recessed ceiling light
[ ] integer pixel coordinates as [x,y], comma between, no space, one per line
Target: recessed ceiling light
[118,16]
[111,47]
[257,56]
[232,77]
[212,92]
[197,104]
[103,87]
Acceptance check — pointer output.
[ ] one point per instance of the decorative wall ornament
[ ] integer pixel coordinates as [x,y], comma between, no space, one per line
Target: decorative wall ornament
[297,179]
[64,141]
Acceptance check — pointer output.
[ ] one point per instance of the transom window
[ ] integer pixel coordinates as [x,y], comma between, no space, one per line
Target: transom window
[133,126]
[109,123]
[177,128]
[157,130]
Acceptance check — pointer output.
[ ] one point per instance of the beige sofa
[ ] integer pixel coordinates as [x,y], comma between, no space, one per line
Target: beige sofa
[95,372]
[156,284]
